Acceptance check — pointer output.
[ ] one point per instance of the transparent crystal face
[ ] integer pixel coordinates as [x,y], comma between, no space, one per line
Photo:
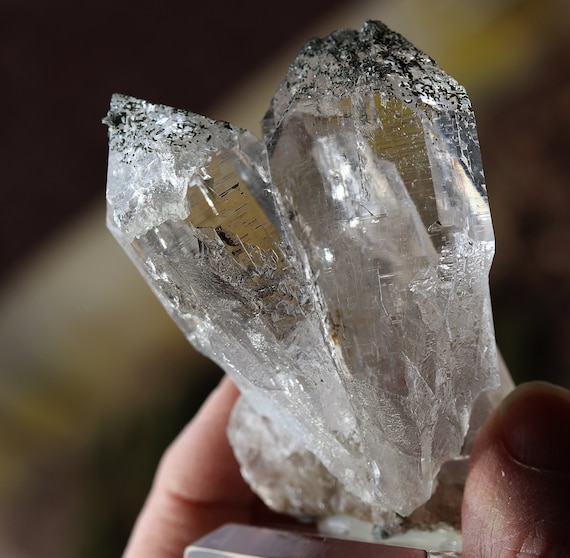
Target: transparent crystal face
[338,270]
[402,267]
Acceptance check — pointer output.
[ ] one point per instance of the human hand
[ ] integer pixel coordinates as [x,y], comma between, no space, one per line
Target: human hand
[516,498]
[197,486]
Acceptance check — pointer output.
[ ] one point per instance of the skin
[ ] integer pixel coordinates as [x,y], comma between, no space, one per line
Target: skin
[517,496]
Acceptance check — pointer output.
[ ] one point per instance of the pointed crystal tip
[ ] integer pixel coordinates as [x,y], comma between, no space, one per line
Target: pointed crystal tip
[336,270]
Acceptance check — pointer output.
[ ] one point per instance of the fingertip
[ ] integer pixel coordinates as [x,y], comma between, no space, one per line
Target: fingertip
[197,487]
[516,495]
[534,426]
[199,465]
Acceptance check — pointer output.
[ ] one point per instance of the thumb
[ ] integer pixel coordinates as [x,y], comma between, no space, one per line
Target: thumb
[517,495]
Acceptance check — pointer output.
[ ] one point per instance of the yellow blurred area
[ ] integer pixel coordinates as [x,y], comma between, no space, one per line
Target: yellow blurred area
[88,357]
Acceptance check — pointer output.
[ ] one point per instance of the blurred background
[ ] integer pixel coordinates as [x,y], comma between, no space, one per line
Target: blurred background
[95,380]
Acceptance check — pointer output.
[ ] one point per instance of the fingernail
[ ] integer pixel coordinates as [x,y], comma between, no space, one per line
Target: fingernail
[535,426]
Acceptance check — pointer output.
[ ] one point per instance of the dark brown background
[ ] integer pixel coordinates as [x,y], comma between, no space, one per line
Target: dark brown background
[60,63]
[62,60]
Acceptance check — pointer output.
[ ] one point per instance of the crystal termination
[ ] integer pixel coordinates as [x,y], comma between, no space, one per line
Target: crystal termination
[336,270]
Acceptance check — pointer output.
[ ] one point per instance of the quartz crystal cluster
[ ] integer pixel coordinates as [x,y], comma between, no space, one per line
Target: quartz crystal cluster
[336,270]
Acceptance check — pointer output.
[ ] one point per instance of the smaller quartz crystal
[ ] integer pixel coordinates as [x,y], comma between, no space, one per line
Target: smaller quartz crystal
[336,270]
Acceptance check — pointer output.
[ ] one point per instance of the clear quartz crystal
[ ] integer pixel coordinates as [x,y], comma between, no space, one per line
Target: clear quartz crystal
[337,271]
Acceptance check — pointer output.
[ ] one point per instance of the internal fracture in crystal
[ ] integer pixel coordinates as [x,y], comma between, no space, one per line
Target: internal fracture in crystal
[336,270]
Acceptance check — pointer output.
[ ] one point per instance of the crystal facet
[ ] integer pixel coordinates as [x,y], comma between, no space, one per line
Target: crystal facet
[337,270]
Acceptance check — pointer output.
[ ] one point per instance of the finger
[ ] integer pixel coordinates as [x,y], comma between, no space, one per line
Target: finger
[197,487]
[516,501]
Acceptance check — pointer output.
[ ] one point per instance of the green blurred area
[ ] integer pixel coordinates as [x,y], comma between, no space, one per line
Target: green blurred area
[94,392]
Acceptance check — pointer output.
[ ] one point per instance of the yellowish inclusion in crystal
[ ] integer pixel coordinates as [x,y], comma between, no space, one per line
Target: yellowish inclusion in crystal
[401,138]
[223,204]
